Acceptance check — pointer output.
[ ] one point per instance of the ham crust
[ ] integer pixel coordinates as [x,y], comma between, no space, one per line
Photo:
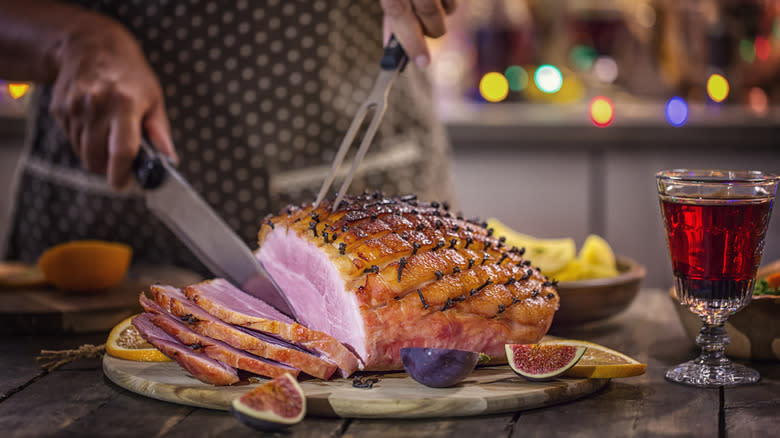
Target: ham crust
[389,273]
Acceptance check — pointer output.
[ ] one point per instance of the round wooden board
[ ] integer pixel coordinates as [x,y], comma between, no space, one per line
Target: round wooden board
[488,390]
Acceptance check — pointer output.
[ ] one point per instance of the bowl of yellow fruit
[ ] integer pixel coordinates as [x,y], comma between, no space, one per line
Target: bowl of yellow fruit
[593,283]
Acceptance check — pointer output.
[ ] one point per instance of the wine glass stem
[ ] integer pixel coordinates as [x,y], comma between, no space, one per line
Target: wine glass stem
[713,340]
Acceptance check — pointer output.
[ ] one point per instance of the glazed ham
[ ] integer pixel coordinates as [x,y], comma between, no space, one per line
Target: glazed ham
[198,320]
[380,274]
[226,302]
[199,365]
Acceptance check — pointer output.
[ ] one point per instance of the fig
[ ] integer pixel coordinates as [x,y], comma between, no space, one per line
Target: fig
[541,361]
[271,406]
[438,367]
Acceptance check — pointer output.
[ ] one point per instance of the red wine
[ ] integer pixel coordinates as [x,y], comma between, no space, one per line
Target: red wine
[716,248]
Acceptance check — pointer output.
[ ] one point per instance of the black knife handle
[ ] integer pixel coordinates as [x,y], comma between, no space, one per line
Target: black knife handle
[147,166]
[395,56]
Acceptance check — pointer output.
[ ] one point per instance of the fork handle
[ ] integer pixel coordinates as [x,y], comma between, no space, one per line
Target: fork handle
[395,57]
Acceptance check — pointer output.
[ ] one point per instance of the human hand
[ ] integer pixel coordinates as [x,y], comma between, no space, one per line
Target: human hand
[103,95]
[412,20]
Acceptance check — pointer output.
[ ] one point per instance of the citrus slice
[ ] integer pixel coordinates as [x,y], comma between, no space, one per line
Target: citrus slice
[596,251]
[600,362]
[85,265]
[550,255]
[125,342]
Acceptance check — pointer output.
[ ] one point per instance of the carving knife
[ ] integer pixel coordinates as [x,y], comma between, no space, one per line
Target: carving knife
[194,222]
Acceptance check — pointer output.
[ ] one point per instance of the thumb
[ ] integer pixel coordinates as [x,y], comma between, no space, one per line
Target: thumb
[158,130]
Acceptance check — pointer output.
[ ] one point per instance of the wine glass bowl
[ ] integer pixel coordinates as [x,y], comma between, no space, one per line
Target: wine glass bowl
[715,224]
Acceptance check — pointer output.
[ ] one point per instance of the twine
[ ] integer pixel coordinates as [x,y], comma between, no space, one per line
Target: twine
[52,359]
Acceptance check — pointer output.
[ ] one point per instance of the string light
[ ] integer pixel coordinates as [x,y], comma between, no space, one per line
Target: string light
[746,51]
[494,87]
[717,87]
[676,111]
[762,48]
[758,101]
[602,111]
[548,78]
[517,78]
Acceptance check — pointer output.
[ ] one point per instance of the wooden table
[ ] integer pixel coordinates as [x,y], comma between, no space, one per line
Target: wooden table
[77,400]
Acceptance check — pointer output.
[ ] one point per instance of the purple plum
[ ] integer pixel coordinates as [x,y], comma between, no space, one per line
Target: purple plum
[438,367]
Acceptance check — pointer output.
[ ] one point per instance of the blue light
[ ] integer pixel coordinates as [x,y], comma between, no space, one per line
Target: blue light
[676,111]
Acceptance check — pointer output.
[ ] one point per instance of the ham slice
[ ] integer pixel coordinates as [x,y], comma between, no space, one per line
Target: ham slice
[211,347]
[199,365]
[223,300]
[174,301]
[381,274]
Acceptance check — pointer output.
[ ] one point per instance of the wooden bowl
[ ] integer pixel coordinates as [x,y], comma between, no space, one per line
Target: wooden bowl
[754,330]
[593,300]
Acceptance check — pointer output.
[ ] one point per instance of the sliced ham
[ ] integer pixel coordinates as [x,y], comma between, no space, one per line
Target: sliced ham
[223,300]
[174,301]
[381,274]
[202,367]
[213,348]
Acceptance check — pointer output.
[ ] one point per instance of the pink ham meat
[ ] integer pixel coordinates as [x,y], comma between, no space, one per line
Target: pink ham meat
[211,347]
[223,300]
[380,274]
[259,344]
[199,365]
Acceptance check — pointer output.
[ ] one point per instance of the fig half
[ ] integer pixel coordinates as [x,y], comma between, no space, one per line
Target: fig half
[541,361]
[438,367]
[273,405]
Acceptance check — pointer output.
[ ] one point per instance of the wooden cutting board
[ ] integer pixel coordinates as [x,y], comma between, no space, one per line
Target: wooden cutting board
[488,390]
[46,310]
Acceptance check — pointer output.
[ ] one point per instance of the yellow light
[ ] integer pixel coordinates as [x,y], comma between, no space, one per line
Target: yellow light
[494,87]
[18,90]
[717,88]
[602,112]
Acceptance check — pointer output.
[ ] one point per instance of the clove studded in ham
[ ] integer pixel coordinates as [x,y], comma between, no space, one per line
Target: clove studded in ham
[174,301]
[381,274]
[213,348]
[199,365]
[226,302]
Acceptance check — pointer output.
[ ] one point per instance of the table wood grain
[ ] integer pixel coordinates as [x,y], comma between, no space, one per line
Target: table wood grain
[77,399]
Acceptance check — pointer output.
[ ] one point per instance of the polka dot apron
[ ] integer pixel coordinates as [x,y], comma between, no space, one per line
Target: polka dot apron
[259,95]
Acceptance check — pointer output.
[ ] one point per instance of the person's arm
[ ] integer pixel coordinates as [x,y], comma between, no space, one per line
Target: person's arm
[104,91]
[412,20]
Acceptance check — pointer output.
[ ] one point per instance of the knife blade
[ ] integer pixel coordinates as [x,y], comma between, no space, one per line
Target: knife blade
[172,200]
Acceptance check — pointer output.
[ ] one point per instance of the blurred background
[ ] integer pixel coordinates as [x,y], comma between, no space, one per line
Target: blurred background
[561,111]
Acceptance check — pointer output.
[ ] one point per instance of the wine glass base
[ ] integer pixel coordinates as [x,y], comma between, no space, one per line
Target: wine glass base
[695,373]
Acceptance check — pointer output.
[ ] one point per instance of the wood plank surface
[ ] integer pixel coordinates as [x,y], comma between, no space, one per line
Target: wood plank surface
[46,310]
[78,400]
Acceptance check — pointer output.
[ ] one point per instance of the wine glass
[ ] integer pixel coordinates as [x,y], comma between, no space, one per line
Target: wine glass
[715,225]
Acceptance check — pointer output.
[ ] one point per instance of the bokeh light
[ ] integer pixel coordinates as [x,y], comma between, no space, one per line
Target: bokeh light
[494,87]
[517,78]
[17,89]
[762,48]
[602,111]
[606,69]
[645,15]
[548,78]
[746,50]
[676,111]
[758,101]
[717,87]
[582,57]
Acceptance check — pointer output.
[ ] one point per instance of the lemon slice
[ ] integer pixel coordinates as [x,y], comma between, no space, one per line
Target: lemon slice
[600,362]
[550,255]
[125,342]
[596,251]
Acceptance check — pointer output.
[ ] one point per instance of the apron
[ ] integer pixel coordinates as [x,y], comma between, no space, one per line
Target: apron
[259,95]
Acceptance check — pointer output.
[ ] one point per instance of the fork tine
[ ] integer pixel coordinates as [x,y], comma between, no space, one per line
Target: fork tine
[346,143]
[364,144]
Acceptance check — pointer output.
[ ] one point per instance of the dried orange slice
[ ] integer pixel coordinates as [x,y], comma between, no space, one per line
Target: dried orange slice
[600,362]
[125,342]
[85,265]
[20,275]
